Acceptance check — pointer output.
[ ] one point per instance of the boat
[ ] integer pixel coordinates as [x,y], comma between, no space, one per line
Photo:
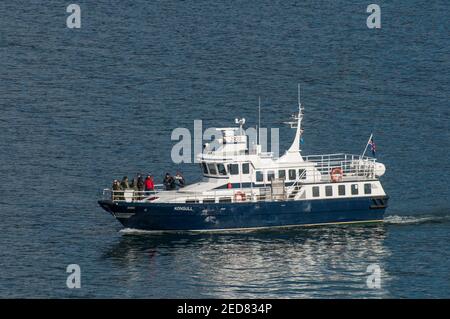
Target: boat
[244,188]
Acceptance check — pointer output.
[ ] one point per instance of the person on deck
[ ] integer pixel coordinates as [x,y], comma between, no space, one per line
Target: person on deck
[124,184]
[134,184]
[117,194]
[116,185]
[140,183]
[169,182]
[180,179]
[149,184]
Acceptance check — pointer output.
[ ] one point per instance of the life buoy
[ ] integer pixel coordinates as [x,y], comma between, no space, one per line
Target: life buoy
[239,196]
[336,174]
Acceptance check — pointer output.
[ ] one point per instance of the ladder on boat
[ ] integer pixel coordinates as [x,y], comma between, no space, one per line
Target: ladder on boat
[295,188]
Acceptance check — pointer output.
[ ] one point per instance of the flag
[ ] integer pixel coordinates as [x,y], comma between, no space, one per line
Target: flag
[373,147]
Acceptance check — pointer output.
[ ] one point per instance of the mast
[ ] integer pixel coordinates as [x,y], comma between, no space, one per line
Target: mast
[295,147]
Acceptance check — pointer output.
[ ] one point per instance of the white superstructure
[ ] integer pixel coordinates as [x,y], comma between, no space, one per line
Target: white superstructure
[235,171]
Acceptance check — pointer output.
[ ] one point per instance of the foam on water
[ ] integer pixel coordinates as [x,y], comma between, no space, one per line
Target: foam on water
[135,231]
[397,219]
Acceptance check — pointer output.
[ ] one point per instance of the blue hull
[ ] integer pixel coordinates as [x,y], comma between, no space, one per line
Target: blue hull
[221,216]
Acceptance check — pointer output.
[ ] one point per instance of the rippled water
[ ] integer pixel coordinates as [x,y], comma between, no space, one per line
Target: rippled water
[80,107]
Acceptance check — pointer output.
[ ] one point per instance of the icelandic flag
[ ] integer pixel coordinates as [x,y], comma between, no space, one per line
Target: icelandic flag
[373,147]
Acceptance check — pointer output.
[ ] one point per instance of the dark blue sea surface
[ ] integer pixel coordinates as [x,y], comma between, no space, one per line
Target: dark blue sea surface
[79,107]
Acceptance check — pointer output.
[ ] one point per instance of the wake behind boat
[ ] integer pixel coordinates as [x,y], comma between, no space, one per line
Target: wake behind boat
[245,188]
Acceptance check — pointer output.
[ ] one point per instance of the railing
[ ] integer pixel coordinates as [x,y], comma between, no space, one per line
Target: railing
[353,167]
[224,195]
[266,154]
[228,155]
[130,193]
[335,156]
[127,195]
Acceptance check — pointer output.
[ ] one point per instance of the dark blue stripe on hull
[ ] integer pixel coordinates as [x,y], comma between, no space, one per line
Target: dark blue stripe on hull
[244,215]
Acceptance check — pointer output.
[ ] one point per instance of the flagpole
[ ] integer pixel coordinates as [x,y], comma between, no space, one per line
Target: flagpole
[371,135]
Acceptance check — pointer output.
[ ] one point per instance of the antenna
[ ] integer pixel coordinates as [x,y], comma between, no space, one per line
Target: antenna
[299,102]
[241,123]
[259,116]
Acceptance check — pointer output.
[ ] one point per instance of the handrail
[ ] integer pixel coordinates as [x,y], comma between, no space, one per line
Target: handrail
[233,195]
[296,182]
[336,156]
[354,167]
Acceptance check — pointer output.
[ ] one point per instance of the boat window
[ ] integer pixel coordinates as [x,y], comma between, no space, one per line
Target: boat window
[212,169]
[205,169]
[300,172]
[224,199]
[209,200]
[354,189]
[270,175]
[246,168]
[367,188]
[282,174]
[221,168]
[328,190]
[233,169]
[292,174]
[259,176]
[341,190]
[315,191]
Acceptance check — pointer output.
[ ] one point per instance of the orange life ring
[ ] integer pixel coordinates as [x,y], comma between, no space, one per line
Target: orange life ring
[239,196]
[336,174]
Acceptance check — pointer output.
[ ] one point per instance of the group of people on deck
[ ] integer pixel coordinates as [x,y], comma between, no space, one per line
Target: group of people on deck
[148,185]
[138,183]
[171,182]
